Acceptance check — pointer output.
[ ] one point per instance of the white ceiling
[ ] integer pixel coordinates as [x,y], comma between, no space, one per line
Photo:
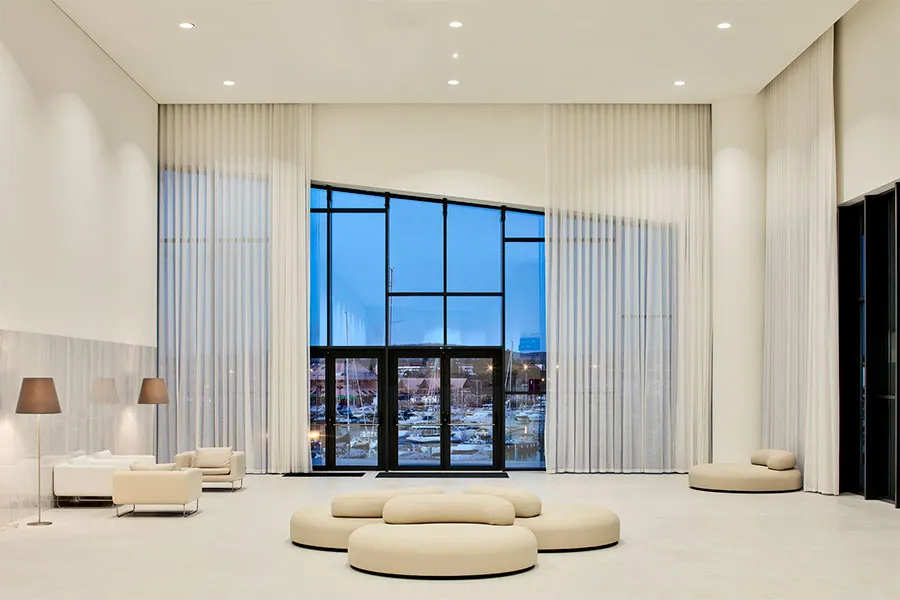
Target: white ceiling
[511,51]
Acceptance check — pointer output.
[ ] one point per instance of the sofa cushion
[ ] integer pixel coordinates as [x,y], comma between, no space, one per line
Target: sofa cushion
[152,467]
[102,453]
[81,460]
[781,460]
[367,504]
[760,457]
[413,509]
[212,458]
[526,504]
[216,471]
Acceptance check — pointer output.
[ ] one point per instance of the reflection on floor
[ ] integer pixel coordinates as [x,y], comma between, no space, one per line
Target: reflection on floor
[676,543]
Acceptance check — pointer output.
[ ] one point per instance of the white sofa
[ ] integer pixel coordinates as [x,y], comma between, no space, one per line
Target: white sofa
[91,476]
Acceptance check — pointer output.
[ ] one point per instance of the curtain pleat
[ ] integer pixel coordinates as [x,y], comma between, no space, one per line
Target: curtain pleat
[227,174]
[628,288]
[800,368]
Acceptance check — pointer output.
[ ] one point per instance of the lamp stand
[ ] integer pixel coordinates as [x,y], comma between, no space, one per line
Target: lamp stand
[39,521]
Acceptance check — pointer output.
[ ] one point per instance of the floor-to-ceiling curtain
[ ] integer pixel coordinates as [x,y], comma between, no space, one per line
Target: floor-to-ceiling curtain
[628,286]
[800,393]
[233,200]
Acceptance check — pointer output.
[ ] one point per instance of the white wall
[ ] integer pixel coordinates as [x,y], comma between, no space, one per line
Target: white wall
[492,153]
[738,274]
[77,246]
[77,184]
[867,95]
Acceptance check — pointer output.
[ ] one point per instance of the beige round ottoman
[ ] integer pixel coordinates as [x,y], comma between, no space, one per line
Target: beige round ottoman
[314,527]
[573,527]
[442,550]
[747,478]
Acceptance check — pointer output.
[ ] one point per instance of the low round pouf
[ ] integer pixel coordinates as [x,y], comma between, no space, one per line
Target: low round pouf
[314,527]
[737,477]
[573,527]
[442,550]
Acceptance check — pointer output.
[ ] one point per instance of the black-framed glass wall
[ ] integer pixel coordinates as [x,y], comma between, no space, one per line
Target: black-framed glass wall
[392,273]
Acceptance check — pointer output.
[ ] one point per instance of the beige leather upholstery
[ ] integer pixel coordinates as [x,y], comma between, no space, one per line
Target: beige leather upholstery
[525,503]
[152,467]
[212,458]
[760,457]
[450,508]
[573,527]
[735,477]
[442,550]
[314,526]
[368,504]
[236,470]
[156,487]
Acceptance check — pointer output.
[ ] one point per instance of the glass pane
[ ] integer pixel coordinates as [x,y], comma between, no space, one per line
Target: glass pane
[356,407]
[357,308]
[417,246]
[417,321]
[318,279]
[317,410]
[474,243]
[349,200]
[471,411]
[419,411]
[318,198]
[526,372]
[524,225]
[474,321]
[525,415]
[526,305]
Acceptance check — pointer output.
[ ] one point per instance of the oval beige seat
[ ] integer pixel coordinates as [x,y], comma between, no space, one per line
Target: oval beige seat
[449,508]
[525,503]
[573,527]
[442,550]
[370,503]
[315,527]
[738,477]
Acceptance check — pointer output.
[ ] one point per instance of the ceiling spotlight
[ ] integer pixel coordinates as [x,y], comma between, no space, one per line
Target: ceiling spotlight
[453,82]
[186,25]
[228,82]
[455,55]
[679,83]
[724,25]
[455,24]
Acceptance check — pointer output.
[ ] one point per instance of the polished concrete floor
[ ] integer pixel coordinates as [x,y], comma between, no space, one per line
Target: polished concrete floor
[676,543]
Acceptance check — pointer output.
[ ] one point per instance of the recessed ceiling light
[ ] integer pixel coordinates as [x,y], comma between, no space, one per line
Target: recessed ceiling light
[724,25]
[679,83]
[228,82]
[455,24]
[186,25]
[453,82]
[455,55]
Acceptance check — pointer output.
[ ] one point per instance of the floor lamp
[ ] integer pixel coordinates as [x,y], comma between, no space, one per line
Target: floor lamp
[37,396]
[153,391]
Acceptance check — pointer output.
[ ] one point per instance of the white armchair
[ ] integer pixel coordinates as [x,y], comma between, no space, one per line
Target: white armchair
[218,465]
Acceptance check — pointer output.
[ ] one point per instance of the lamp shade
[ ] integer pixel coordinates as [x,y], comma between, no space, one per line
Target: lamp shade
[104,391]
[37,396]
[153,391]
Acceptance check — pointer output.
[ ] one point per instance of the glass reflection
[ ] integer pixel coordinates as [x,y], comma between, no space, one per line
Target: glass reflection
[356,412]
[471,412]
[419,411]
[317,410]
[525,414]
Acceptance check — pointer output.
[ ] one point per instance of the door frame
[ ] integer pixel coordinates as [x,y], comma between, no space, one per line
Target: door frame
[445,354]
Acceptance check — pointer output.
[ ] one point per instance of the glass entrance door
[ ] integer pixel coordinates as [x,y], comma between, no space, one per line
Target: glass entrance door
[445,409]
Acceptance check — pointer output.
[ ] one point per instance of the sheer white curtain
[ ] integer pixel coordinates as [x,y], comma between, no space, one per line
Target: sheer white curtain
[628,285]
[800,393]
[233,199]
